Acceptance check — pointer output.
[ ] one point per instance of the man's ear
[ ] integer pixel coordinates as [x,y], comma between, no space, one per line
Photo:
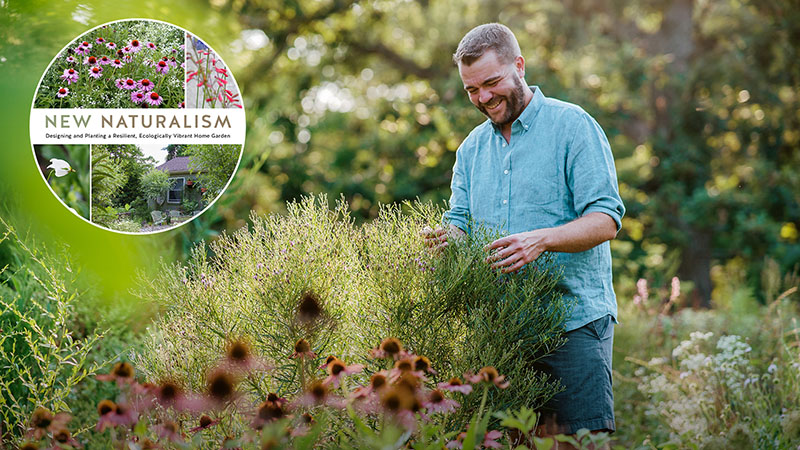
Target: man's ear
[519,66]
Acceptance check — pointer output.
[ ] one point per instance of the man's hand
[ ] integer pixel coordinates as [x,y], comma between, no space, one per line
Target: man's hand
[438,239]
[514,251]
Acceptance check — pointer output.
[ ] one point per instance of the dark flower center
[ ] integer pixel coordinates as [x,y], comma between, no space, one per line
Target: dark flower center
[162,64]
[391,346]
[154,96]
[105,407]
[455,381]
[302,346]
[168,392]
[220,386]
[123,370]
[62,91]
[270,411]
[92,60]
[337,367]
[134,43]
[318,391]
[309,308]
[377,381]
[41,418]
[61,435]
[272,397]
[422,363]
[239,350]
[205,421]
[145,82]
[436,396]
[129,82]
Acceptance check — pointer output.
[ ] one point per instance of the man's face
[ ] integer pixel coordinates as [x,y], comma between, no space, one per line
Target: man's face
[495,88]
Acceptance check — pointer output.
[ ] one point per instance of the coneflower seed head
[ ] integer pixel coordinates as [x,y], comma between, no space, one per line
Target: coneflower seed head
[318,390]
[302,346]
[391,346]
[238,351]
[336,367]
[422,363]
[220,385]
[205,421]
[105,407]
[41,418]
[62,435]
[122,370]
[309,308]
[489,373]
[377,381]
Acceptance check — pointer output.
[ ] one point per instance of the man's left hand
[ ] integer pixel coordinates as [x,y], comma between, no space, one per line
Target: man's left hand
[514,251]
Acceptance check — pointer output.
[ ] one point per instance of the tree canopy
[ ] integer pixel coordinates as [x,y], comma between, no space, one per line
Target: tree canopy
[698,99]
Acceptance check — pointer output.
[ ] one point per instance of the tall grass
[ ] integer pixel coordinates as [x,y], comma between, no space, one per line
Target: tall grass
[374,281]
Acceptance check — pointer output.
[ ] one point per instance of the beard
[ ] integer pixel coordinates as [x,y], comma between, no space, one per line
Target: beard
[515,103]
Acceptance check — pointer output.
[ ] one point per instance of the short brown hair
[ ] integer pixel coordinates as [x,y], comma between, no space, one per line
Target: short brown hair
[489,36]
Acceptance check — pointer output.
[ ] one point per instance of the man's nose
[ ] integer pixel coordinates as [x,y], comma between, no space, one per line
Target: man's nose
[484,95]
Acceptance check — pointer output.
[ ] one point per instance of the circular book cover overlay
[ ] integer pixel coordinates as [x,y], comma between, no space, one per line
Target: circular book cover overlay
[137,126]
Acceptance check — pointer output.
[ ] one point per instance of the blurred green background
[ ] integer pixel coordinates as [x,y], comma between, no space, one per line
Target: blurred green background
[699,100]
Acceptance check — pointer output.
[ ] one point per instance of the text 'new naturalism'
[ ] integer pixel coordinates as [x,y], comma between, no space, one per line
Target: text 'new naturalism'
[137,121]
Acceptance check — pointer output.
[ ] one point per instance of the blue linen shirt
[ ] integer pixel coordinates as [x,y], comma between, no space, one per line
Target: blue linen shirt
[556,167]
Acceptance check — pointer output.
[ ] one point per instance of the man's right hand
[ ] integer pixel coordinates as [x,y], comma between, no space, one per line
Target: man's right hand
[438,239]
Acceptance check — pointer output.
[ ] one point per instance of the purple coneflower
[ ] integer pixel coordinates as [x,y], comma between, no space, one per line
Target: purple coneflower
[96,72]
[100,40]
[455,385]
[70,75]
[204,422]
[169,430]
[104,60]
[117,63]
[62,92]
[122,373]
[162,67]
[302,349]
[129,83]
[90,60]
[151,46]
[70,59]
[154,99]
[111,45]
[135,45]
[437,402]
[337,369]
[127,50]
[182,105]
[137,96]
[145,85]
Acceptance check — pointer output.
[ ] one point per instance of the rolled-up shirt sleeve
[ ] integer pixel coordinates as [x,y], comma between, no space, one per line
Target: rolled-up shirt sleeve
[459,214]
[591,175]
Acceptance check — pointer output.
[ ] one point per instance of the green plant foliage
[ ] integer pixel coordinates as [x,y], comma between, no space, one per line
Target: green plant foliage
[373,282]
[214,165]
[72,188]
[107,179]
[42,358]
[155,183]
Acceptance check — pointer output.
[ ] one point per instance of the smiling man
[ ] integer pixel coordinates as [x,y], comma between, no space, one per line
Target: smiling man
[540,171]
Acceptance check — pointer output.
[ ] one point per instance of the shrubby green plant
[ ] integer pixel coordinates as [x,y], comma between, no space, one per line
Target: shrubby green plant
[154,183]
[214,165]
[370,282]
[42,359]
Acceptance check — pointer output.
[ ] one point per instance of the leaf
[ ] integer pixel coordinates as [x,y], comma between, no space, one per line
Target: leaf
[543,443]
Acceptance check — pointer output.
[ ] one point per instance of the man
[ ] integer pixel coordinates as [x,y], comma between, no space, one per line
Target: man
[541,171]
